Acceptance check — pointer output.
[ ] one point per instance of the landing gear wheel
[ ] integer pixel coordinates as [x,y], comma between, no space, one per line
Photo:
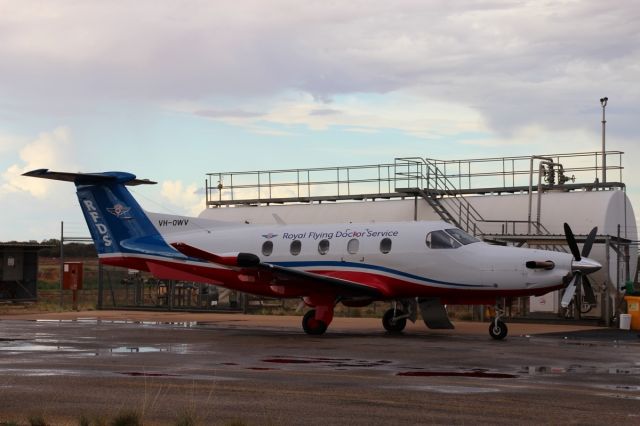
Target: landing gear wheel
[394,325]
[313,326]
[498,329]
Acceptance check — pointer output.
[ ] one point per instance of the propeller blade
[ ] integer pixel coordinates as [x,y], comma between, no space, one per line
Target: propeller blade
[571,240]
[586,248]
[569,292]
[587,290]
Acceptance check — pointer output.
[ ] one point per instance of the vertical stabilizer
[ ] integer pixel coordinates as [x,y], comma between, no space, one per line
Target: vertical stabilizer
[116,221]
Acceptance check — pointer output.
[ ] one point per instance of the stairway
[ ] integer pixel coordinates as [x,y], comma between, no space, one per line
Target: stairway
[433,200]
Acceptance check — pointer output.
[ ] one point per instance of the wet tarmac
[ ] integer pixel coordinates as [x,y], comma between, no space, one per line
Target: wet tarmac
[264,370]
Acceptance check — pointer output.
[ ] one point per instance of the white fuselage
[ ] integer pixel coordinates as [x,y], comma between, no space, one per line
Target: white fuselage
[395,254]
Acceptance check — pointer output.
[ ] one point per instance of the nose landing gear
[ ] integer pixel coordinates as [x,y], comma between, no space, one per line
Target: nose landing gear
[394,320]
[497,328]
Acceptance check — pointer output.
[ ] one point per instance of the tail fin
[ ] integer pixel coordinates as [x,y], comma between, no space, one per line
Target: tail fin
[116,221]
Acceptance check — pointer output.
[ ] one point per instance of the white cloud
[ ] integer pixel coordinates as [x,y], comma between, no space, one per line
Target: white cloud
[185,197]
[520,76]
[516,63]
[35,207]
[10,143]
[50,150]
[400,111]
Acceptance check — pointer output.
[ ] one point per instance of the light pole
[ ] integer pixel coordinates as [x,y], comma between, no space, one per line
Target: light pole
[603,102]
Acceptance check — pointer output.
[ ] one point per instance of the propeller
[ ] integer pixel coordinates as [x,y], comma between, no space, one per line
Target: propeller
[581,266]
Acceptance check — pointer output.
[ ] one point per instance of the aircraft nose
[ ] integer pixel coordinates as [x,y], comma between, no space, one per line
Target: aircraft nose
[585,265]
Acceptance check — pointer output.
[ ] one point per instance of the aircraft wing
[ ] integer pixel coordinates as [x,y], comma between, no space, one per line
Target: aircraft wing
[320,282]
[285,276]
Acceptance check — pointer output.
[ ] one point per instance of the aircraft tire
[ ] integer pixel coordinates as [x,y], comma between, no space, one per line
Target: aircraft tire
[393,326]
[498,329]
[311,325]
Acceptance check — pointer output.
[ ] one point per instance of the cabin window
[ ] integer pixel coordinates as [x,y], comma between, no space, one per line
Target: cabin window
[353,246]
[267,248]
[295,247]
[441,240]
[385,245]
[323,247]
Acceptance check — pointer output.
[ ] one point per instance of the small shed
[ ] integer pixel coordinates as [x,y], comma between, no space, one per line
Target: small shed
[19,271]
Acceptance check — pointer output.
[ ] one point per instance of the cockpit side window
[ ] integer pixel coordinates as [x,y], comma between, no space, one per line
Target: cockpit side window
[461,236]
[441,240]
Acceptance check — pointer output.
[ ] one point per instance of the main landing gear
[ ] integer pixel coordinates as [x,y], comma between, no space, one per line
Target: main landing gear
[313,326]
[498,329]
[316,321]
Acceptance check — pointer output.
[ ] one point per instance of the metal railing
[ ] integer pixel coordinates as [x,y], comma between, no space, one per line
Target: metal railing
[444,181]
[479,175]
[511,172]
[290,185]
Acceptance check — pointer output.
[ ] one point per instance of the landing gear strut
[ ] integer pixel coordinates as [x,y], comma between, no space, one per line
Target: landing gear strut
[498,329]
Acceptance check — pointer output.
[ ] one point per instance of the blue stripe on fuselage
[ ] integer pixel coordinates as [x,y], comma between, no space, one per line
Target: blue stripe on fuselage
[334,264]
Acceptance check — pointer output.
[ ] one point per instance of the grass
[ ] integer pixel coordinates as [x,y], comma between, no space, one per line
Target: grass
[37,420]
[127,418]
[186,418]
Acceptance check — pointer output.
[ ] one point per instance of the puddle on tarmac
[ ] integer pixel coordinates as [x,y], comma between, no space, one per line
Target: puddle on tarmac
[474,373]
[184,324]
[176,349]
[621,396]
[135,349]
[629,388]
[49,345]
[22,346]
[147,374]
[33,372]
[578,369]
[328,362]
[446,389]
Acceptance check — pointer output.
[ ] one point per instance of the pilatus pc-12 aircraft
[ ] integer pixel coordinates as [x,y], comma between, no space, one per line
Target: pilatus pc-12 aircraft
[414,265]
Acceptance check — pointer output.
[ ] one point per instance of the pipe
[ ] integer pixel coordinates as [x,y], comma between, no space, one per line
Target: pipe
[533,157]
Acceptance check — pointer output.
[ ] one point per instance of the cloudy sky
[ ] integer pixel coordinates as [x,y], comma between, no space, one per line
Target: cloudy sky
[172,90]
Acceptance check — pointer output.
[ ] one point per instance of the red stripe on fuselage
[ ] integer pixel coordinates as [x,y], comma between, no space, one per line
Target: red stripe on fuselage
[259,282]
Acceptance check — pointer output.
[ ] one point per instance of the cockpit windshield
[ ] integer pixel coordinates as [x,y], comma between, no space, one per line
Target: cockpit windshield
[449,239]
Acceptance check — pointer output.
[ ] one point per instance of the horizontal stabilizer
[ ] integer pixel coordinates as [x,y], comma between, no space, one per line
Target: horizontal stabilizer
[151,245]
[90,178]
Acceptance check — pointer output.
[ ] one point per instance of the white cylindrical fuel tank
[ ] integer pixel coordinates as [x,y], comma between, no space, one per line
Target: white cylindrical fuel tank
[610,211]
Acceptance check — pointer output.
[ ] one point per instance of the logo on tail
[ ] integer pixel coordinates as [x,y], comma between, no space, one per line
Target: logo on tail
[120,211]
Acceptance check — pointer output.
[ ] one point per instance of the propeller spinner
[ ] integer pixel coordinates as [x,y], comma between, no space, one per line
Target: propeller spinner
[581,266]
